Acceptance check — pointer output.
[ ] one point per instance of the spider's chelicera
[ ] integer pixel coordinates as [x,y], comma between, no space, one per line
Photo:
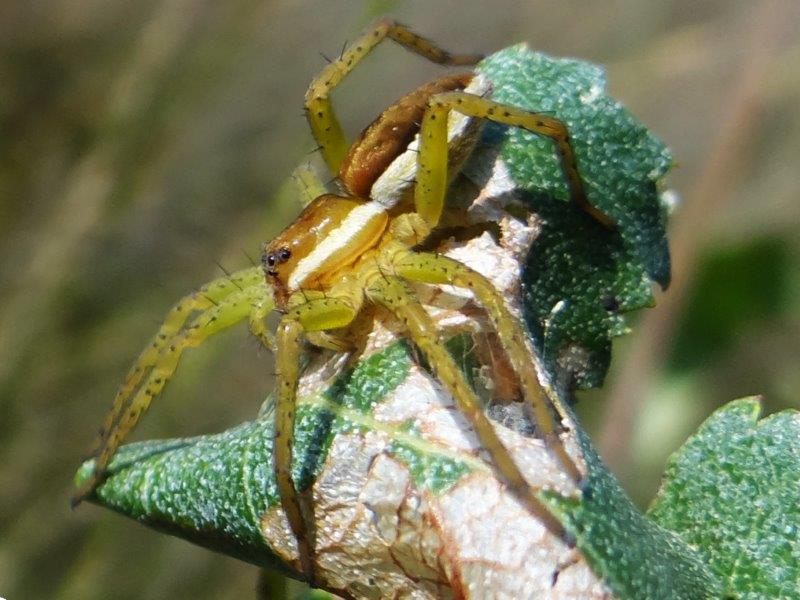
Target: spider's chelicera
[352,255]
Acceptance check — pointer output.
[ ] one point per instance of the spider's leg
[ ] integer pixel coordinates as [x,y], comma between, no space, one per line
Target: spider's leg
[157,365]
[438,269]
[324,125]
[317,314]
[198,301]
[393,293]
[432,160]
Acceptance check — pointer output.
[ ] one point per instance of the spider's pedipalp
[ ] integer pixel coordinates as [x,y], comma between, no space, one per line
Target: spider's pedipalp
[214,307]
[260,309]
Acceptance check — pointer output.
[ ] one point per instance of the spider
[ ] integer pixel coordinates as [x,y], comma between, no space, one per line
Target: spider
[353,256]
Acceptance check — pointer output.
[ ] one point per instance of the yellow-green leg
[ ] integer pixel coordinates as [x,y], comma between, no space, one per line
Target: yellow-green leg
[324,125]
[437,269]
[315,315]
[395,296]
[220,305]
[432,162]
[199,301]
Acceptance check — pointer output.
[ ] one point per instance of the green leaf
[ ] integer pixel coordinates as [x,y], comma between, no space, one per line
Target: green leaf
[579,276]
[732,492]
[219,491]
[635,556]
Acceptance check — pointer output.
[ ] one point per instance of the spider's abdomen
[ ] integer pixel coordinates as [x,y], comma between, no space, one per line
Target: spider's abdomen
[330,234]
[388,136]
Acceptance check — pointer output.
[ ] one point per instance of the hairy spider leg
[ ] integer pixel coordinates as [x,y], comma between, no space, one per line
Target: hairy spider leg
[214,307]
[394,294]
[438,269]
[200,300]
[321,117]
[432,160]
[313,315]
[429,200]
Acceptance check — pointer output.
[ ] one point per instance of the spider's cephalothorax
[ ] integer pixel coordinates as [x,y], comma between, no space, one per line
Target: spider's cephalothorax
[346,253]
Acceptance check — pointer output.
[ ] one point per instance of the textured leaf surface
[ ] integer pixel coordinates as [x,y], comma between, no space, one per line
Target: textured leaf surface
[580,276]
[636,557]
[732,492]
[420,487]
[402,502]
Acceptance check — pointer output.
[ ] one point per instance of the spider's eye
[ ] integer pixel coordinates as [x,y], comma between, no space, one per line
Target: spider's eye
[269,261]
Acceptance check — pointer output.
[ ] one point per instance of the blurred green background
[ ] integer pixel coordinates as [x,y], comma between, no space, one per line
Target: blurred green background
[143,146]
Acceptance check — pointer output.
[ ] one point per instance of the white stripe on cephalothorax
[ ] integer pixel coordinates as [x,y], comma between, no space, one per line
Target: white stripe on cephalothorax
[399,176]
[335,241]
